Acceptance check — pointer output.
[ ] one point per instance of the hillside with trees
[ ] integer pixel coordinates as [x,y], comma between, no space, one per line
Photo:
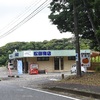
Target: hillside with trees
[54,44]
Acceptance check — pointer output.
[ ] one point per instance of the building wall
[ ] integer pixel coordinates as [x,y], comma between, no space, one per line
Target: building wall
[68,64]
[49,65]
[42,65]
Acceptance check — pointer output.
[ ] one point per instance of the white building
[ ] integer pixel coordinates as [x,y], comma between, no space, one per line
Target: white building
[50,60]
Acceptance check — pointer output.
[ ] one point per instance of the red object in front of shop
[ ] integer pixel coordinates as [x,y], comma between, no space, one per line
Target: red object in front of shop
[33,71]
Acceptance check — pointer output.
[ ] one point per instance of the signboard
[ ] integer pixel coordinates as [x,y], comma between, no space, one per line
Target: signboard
[42,53]
[85,59]
[11,56]
[76,56]
[16,54]
[28,53]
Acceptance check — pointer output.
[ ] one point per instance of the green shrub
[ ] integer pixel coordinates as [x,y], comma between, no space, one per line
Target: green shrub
[97,69]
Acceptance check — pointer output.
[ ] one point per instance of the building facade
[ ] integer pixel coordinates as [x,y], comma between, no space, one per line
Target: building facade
[49,60]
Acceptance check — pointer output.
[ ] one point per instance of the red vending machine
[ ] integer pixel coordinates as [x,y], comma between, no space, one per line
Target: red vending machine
[33,69]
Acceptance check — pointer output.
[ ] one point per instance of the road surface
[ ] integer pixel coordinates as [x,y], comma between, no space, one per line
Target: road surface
[13,92]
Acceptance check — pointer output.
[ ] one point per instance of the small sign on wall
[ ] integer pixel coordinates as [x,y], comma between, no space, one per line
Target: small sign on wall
[76,56]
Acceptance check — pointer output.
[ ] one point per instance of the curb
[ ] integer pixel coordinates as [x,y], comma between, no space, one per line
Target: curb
[79,92]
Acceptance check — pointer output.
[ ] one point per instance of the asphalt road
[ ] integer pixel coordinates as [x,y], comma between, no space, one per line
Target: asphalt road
[13,92]
[27,87]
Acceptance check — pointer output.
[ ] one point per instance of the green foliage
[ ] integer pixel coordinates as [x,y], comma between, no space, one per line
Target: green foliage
[95,59]
[97,69]
[55,44]
[2,60]
[85,43]
[62,16]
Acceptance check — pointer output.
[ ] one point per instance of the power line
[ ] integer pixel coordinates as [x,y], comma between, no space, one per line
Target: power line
[35,12]
[20,15]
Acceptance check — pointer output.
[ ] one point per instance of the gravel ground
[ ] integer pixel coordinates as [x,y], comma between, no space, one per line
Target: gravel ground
[28,80]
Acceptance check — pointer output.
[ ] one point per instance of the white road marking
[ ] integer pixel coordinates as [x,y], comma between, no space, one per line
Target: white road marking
[54,79]
[51,93]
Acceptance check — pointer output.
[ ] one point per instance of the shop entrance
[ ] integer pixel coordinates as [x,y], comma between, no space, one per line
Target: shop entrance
[58,63]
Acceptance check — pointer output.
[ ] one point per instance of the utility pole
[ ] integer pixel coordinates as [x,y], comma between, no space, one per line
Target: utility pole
[77,39]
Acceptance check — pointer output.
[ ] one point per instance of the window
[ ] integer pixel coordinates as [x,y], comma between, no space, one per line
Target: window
[71,58]
[42,58]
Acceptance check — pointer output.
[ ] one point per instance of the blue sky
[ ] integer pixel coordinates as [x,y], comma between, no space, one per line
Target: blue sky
[39,28]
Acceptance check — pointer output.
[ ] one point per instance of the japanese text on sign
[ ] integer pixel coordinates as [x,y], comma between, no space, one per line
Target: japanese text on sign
[42,53]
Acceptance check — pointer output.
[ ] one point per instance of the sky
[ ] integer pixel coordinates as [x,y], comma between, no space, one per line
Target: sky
[37,28]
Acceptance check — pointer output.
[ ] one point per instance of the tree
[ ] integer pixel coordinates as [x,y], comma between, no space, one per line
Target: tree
[86,5]
[62,16]
[85,43]
[54,44]
[75,16]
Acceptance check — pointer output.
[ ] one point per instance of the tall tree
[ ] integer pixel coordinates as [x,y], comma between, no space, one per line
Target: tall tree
[89,11]
[62,16]
[77,38]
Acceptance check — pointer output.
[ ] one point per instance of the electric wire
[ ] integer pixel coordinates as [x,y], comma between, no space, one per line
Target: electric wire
[35,12]
[20,16]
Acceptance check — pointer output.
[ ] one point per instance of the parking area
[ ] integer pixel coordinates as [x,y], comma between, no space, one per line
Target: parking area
[30,80]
